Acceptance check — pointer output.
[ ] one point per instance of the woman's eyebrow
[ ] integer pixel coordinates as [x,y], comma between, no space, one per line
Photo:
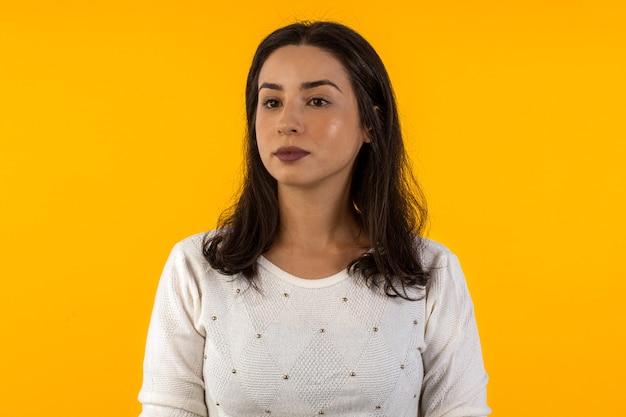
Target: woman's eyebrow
[313,84]
[271,86]
[307,85]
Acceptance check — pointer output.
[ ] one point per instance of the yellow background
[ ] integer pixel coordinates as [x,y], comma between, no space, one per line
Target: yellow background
[121,125]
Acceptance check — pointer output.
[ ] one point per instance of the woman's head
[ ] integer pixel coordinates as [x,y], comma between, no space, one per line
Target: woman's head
[372,88]
[390,204]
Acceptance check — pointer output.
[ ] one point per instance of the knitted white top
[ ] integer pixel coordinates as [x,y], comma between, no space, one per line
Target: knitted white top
[297,347]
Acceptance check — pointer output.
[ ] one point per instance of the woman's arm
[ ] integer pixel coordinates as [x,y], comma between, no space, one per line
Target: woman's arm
[173,385]
[454,375]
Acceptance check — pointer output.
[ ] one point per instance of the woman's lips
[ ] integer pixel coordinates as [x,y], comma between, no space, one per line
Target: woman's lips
[290,153]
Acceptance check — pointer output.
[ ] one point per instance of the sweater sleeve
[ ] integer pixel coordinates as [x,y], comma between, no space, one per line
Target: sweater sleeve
[454,376]
[173,384]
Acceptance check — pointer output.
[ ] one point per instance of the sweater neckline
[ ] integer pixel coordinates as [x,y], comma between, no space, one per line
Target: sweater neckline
[302,282]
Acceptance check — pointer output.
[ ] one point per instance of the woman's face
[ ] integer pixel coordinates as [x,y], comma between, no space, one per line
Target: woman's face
[307,120]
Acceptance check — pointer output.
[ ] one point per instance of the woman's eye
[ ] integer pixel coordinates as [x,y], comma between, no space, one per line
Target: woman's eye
[270,103]
[318,102]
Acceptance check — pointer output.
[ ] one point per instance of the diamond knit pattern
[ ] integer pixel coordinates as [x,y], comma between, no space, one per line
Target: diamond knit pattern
[319,381]
[326,346]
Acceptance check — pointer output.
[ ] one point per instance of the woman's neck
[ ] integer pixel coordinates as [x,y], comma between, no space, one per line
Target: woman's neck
[320,233]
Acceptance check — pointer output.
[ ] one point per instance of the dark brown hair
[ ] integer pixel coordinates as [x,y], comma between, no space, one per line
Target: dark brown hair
[390,204]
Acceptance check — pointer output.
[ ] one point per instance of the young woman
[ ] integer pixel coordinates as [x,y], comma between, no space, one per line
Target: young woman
[316,295]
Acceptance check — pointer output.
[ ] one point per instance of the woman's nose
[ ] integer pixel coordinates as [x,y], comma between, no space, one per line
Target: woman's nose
[290,121]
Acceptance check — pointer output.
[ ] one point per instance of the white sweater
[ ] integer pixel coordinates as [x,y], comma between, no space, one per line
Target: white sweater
[298,347]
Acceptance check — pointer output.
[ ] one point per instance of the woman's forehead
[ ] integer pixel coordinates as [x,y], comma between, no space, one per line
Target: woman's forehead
[302,63]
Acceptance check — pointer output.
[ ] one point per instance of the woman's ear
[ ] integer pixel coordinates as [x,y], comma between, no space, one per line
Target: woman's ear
[366,135]
[369,129]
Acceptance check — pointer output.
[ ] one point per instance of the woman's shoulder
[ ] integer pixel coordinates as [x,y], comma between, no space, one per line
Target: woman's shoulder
[191,248]
[434,255]
[192,243]
[187,260]
[446,275]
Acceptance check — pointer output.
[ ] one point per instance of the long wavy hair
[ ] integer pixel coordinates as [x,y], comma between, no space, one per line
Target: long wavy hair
[386,198]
